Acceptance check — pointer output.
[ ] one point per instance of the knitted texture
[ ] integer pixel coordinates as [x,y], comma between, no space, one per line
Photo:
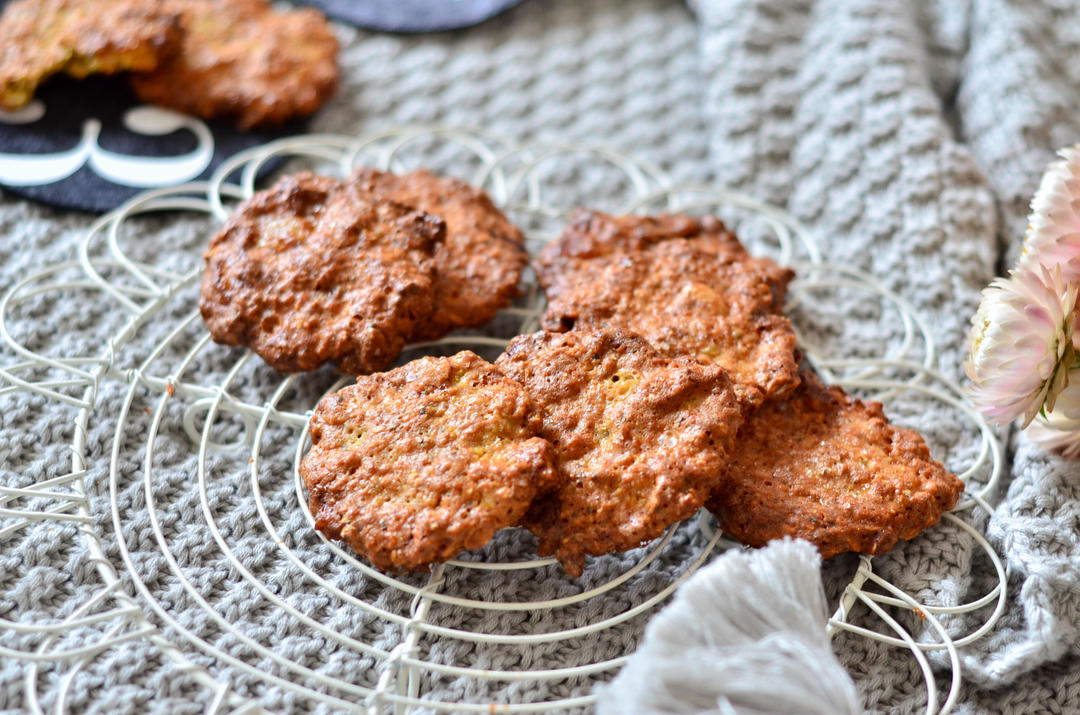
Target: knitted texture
[908,136]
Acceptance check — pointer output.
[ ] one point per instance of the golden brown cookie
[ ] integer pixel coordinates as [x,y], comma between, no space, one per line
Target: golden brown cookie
[314,270]
[595,235]
[824,466]
[640,440]
[39,38]
[411,466]
[478,266]
[244,60]
[688,302]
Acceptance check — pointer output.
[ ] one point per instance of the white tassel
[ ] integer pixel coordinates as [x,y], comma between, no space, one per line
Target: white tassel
[745,635]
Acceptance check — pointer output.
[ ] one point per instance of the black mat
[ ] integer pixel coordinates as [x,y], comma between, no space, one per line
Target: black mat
[88,145]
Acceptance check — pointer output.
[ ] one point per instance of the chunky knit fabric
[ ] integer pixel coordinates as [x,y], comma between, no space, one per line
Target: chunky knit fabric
[908,137]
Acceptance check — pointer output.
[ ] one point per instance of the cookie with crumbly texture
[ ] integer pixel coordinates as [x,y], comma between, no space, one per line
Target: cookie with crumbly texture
[640,440]
[315,270]
[412,466]
[39,38]
[244,60]
[593,235]
[478,266]
[824,466]
[686,302]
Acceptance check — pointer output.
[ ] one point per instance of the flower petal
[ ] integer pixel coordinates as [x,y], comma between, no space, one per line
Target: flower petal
[1021,344]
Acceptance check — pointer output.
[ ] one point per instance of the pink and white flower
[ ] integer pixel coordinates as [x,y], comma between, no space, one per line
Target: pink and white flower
[1059,430]
[1053,237]
[1021,344]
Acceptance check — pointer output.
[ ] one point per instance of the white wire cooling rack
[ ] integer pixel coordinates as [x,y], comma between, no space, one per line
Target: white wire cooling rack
[224,420]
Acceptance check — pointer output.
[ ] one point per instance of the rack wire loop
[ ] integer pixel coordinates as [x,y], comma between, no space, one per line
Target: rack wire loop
[233,423]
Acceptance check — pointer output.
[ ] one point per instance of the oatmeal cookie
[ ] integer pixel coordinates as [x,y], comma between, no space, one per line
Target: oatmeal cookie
[824,466]
[478,266]
[594,235]
[244,60]
[314,270]
[39,38]
[640,440]
[412,466]
[686,302]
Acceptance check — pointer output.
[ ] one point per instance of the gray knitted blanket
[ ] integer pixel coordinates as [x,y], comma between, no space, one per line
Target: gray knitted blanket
[908,137]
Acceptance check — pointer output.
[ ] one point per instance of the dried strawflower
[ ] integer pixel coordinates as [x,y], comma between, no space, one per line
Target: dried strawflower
[1053,237]
[1059,430]
[1021,344]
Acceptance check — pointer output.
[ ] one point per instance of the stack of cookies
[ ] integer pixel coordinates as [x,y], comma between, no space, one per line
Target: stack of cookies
[666,379]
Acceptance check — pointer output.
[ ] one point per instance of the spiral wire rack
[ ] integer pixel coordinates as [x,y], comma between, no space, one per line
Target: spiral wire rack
[229,430]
